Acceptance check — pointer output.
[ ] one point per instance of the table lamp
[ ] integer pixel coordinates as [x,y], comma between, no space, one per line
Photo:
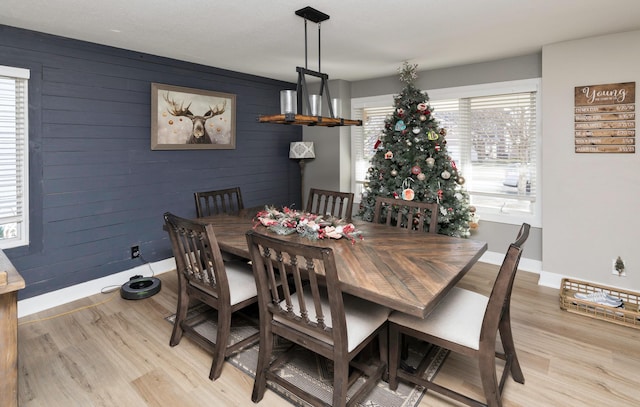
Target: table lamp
[301,150]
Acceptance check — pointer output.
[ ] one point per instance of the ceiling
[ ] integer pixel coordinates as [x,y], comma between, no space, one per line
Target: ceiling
[362,39]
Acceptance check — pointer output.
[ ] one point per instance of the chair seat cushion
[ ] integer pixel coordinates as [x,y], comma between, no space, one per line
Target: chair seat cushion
[242,284]
[457,318]
[362,317]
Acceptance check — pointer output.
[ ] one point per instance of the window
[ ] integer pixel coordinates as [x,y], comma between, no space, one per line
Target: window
[492,135]
[14,165]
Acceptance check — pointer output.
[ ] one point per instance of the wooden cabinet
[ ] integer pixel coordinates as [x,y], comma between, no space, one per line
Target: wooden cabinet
[10,282]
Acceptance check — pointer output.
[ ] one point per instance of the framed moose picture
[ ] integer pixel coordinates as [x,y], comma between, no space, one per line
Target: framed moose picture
[191,119]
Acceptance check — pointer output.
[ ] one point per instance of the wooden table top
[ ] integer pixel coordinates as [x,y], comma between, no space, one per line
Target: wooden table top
[403,270]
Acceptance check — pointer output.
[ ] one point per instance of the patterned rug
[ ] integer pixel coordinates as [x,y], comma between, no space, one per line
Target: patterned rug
[313,372]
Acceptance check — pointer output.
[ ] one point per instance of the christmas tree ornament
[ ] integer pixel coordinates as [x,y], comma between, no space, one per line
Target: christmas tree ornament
[422,117]
[443,132]
[453,164]
[437,147]
[432,135]
[400,125]
[409,143]
[408,194]
[422,106]
[421,176]
[415,170]
[416,130]
[458,196]
[394,173]
[377,144]
[460,180]
[400,111]
[445,174]
[395,195]
[430,162]
[388,155]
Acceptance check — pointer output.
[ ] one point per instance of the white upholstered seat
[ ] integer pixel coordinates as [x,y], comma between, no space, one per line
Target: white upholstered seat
[362,317]
[458,318]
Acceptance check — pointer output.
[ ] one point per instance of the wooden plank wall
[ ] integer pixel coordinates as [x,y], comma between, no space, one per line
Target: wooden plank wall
[96,188]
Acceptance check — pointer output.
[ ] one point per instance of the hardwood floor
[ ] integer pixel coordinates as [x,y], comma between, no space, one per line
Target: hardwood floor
[117,354]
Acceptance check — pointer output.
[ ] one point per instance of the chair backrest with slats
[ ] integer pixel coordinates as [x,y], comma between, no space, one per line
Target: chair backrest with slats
[337,204]
[312,274]
[209,203]
[412,215]
[197,255]
[500,297]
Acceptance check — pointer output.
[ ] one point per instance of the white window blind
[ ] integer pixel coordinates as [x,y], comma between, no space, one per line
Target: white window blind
[13,157]
[364,139]
[494,139]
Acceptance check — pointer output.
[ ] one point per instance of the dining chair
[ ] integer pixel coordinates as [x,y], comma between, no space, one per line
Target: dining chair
[313,313]
[203,277]
[467,323]
[412,215]
[334,203]
[209,203]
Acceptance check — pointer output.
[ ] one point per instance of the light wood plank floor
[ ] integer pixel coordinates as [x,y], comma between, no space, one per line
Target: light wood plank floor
[117,354]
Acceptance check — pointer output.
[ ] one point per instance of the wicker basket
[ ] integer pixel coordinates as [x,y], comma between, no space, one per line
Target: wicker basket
[629,315]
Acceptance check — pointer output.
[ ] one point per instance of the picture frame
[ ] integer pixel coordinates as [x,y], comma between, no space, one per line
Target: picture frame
[192,119]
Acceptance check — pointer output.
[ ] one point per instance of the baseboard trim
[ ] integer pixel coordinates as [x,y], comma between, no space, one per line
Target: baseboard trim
[65,295]
[552,280]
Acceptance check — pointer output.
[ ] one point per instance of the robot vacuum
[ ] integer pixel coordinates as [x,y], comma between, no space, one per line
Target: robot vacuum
[138,288]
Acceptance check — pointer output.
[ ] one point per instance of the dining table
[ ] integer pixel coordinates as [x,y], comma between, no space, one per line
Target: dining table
[404,270]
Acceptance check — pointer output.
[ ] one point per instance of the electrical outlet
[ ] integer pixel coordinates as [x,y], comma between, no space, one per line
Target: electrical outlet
[135,252]
[615,272]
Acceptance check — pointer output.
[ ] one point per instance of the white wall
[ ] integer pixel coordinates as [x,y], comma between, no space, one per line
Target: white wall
[589,200]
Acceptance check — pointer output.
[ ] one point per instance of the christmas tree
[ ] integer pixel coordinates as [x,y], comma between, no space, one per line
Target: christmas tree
[411,162]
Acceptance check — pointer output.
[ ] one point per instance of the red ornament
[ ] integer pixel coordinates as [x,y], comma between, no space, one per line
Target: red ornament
[395,195]
[377,144]
[440,193]
[415,170]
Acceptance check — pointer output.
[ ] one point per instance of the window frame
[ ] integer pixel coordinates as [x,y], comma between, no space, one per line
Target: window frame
[22,238]
[496,88]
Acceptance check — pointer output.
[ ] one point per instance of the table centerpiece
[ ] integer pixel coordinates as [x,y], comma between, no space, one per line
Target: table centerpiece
[308,225]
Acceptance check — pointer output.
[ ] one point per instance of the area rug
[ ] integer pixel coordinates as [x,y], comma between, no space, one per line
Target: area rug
[314,373]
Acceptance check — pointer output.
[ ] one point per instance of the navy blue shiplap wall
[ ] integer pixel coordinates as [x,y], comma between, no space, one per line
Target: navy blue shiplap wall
[96,188]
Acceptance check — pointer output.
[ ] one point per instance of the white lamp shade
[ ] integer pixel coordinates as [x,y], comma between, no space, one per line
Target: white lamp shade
[301,149]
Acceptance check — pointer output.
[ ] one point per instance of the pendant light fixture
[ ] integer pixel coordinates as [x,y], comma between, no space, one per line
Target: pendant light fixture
[307,108]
